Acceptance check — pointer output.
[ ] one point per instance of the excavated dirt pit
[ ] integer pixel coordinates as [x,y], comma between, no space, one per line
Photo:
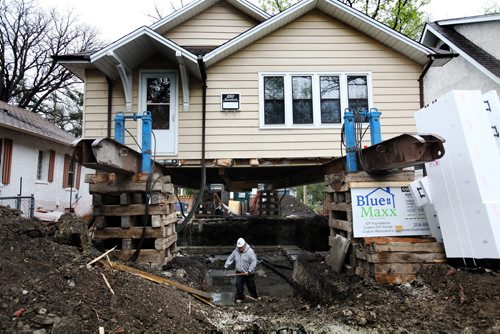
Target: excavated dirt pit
[46,288]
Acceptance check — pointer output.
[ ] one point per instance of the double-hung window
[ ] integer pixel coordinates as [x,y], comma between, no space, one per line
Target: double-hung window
[304,100]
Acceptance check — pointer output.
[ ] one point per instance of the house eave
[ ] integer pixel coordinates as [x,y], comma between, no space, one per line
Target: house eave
[34,134]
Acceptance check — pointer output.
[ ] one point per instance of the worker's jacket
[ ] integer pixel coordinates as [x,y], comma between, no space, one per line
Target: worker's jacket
[246,261]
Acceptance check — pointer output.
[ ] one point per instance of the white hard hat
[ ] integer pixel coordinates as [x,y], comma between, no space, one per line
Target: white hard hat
[240,243]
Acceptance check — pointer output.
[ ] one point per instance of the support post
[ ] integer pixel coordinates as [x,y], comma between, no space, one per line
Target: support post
[375,134]
[120,127]
[146,142]
[350,141]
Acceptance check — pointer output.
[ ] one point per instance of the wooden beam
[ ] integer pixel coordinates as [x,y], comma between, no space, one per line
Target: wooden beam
[161,280]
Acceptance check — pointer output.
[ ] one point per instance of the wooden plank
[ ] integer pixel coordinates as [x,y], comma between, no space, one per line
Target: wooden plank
[133,210]
[384,240]
[378,184]
[131,233]
[395,268]
[112,177]
[420,247]
[161,280]
[405,175]
[388,257]
[162,220]
[127,186]
[340,225]
[165,243]
[339,247]
[339,207]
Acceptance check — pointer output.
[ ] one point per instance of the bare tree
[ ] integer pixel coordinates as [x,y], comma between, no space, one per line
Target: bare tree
[160,12]
[29,36]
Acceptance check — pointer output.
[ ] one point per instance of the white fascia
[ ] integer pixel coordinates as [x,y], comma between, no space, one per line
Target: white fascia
[378,25]
[466,56]
[471,19]
[184,80]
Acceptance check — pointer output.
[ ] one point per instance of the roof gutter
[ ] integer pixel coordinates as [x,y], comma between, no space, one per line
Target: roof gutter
[428,65]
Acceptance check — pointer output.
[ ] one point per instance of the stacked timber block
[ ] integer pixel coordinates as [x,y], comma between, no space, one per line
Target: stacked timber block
[268,203]
[119,208]
[386,259]
[397,259]
[208,206]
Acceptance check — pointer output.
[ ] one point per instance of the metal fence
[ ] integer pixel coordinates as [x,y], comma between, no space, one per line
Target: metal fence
[26,204]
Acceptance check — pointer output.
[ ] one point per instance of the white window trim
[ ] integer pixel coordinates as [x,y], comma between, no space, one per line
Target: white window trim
[316,98]
[174,100]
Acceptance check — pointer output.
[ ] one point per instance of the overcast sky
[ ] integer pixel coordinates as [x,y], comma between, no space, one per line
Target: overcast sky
[116,18]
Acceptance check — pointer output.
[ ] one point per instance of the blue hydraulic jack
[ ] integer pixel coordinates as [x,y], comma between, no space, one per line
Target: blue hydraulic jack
[350,118]
[147,164]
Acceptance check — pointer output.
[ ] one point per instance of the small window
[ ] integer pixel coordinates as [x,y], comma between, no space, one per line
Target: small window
[39,166]
[330,99]
[158,102]
[274,100]
[358,93]
[302,100]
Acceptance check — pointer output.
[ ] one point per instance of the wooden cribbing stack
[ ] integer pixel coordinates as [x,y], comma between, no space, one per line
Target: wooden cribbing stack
[119,205]
[387,259]
[268,203]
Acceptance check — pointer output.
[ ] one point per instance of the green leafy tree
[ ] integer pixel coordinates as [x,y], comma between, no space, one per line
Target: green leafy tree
[405,16]
[314,193]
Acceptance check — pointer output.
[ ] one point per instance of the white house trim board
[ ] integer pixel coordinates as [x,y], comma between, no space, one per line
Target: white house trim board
[344,13]
[184,81]
[461,53]
[197,7]
[126,78]
[472,19]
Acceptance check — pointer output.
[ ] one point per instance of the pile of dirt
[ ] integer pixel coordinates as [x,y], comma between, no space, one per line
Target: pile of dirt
[291,206]
[46,288]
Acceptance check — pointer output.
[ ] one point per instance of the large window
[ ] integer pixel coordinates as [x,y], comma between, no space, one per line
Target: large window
[312,99]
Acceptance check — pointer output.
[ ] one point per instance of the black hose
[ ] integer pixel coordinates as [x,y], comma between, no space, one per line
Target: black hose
[182,226]
[285,277]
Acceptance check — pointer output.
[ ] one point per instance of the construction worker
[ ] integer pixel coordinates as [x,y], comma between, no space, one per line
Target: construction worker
[246,261]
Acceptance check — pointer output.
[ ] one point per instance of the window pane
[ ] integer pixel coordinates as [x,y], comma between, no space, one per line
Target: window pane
[330,111]
[358,88]
[330,87]
[160,115]
[274,112]
[330,99]
[274,100]
[158,90]
[274,88]
[39,166]
[302,100]
[358,93]
[301,88]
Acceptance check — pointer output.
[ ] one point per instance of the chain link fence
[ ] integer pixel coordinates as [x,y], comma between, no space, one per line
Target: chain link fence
[26,204]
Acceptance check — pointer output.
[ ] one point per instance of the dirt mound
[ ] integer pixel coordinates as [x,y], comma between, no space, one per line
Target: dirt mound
[441,299]
[292,206]
[47,287]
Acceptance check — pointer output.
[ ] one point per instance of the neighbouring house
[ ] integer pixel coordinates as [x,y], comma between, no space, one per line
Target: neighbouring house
[276,86]
[477,65]
[36,158]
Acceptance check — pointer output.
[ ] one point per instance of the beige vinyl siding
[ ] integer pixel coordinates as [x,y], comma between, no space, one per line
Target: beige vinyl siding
[313,43]
[213,27]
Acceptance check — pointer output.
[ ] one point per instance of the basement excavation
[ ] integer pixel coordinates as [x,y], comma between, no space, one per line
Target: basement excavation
[48,285]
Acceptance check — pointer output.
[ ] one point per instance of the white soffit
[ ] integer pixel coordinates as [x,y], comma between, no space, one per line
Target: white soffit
[197,7]
[136,47]
[393,39]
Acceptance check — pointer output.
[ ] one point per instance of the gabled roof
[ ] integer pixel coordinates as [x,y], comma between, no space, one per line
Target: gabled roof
[393,39]
[474,54]
[28,122]
[134,48]
[198,6]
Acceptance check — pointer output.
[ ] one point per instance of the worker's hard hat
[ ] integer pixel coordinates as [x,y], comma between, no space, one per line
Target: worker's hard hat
[240,243]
